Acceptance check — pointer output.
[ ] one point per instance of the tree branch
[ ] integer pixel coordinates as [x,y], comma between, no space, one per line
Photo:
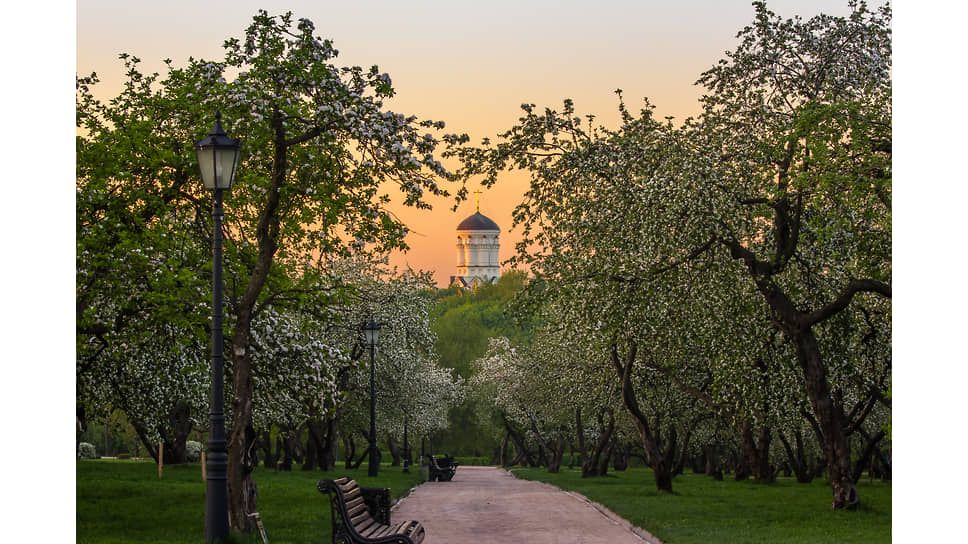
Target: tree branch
[843,300]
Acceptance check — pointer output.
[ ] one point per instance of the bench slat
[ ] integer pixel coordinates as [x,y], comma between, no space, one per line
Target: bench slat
[414,528]
[416,532]
[375,530]
[366,527]
[355,506]
[350,495]
[378,531]
[361,519]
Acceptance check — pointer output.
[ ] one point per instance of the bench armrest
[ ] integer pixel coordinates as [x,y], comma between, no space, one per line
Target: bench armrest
[377,500]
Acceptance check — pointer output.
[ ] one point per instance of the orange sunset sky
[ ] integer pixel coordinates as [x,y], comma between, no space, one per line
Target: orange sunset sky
[470,64]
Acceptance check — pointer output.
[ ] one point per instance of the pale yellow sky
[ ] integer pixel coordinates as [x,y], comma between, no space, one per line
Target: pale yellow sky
[470,64]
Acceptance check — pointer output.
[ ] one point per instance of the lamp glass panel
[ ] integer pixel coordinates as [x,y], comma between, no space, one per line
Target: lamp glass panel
[226,159]
[206,160]
[372,331]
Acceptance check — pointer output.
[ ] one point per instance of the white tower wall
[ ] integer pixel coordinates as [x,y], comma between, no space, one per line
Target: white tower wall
[478,259]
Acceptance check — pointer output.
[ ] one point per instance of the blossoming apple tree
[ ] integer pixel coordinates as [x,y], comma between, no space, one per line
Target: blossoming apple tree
[319,147]
[670,245]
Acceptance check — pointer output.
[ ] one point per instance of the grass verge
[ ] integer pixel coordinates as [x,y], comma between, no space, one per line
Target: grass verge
[121,501]
[703,511]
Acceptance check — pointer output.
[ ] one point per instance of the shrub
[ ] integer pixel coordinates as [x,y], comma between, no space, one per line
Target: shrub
[86,451]
[193,451]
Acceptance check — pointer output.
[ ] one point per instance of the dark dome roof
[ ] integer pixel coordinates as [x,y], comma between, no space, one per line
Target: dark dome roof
[477,222]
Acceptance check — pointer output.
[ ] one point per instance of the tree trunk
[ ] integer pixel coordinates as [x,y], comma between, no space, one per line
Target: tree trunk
[657,458]
[592,465]
[518,442]
[502,456]
[798,325]
[316,444]
[884,465]
[798,459]
[559,452]
[180,423]
[866,457]
[365,454]
[327,459]
[241,489]
[142,433]
[829,415]
[517,457]
[265,444]
[580,434]
[310,461]
[289,447]
[395,451]
[757,455]
[285,454]
[712,463]
[606,457]
[620,458]
[549,452]
[349,450]
[683,455]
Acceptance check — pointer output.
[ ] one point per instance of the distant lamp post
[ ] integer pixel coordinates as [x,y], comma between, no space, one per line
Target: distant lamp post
[372,331]
[217,155]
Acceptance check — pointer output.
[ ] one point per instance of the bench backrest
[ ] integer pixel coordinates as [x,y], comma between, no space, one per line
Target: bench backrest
[352,520]
[351,508]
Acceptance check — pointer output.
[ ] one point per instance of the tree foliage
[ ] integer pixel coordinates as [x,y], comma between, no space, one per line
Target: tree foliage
[319,148]
[737,254]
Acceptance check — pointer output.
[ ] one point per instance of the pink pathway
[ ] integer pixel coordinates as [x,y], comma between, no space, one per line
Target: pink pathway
[489,505]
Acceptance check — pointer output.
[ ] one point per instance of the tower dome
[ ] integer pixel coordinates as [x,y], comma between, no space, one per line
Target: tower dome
[478,222]
[477,250]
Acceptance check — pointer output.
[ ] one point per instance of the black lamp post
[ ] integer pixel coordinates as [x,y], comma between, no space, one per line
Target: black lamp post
[217,155]
[372,330]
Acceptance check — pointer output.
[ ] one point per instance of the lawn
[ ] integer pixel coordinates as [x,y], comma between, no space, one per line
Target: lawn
[124,501]
[705,511]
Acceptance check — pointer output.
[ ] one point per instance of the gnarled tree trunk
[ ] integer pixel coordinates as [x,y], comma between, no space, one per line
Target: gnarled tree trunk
[658,458]
[591,463]
[757,453]
[241,488]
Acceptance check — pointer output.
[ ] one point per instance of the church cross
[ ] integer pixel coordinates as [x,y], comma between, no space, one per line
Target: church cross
[478,200]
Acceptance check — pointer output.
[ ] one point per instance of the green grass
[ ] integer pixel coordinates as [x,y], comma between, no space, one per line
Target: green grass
[124,501]
[702,510]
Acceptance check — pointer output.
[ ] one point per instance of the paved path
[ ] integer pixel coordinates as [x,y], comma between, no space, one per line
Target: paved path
[488,505]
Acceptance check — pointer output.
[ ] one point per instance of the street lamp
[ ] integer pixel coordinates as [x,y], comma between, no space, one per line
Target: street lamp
[217,155]
[372,331]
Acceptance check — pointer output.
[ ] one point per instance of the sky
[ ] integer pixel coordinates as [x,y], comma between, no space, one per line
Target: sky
[472,64]
[469,64]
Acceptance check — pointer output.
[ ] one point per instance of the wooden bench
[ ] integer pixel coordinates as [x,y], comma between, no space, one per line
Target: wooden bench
[362,514]
[442,469]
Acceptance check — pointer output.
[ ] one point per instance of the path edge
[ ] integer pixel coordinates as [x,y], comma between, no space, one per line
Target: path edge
[611,516]
[399,501]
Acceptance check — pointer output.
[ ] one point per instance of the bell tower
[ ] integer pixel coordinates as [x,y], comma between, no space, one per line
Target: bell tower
[478,245]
